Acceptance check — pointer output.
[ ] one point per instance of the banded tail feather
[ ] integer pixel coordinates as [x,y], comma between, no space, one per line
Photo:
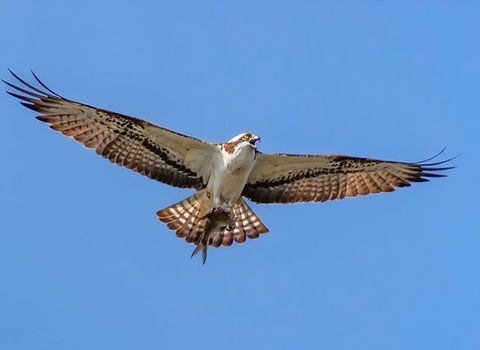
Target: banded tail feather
[193,220]
[248,223]
[186,216]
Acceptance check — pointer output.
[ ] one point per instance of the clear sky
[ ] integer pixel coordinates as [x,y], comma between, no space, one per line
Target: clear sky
[84,263]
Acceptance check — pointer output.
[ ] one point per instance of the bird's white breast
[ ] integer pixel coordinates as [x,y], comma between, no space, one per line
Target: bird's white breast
[229,177]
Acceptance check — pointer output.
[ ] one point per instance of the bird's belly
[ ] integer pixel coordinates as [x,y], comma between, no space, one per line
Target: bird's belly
[227,187]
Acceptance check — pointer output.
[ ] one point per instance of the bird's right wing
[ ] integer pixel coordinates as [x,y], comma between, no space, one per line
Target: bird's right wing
[136,144]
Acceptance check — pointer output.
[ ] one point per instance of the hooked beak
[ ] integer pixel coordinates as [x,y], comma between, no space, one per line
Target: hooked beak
[254,139]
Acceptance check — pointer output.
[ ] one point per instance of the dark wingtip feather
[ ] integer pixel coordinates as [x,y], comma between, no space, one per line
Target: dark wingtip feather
[435,156]
[433,175]
[419,179]
[41,118]
[433,166]
[33,91]
[29,106]
[43,85]
[431,169]
[21,97]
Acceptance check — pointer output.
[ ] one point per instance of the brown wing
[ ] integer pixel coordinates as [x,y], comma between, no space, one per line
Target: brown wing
[143,147]
[285,178]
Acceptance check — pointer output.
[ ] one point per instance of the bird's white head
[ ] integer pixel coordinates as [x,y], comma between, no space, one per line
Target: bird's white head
[245,137]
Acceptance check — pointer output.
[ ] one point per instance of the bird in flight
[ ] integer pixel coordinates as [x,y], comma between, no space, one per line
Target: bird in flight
[222,174]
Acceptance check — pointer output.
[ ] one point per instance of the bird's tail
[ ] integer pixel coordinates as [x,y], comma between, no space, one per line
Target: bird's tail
[247,223]
[187,217]
[198,222]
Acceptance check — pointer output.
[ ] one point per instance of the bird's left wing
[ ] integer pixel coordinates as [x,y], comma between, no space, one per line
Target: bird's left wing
[143,147]
[287,178]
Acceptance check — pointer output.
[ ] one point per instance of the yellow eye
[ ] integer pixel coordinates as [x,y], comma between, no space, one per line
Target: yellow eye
[247,136]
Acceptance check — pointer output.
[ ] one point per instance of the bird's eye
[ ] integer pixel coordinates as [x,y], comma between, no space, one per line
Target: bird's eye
[247,136]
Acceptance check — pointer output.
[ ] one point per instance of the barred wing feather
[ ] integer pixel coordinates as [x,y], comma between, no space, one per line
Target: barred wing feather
[153,151]
[287,178]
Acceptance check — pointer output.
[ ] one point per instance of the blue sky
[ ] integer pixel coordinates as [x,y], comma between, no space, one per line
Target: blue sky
[85,264]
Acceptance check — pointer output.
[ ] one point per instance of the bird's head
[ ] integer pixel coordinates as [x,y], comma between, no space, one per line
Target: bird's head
[245,137]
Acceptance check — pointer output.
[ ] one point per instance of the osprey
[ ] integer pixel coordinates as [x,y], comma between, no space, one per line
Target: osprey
[222,174]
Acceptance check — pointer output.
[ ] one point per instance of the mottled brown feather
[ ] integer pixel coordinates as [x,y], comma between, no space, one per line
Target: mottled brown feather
[134,143]
[284,178]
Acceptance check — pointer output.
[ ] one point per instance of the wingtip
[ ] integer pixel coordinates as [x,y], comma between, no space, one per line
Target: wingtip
[14,75]
[29,106]
[34,75]
[435,156]
[33,90]
[11,72]
[432,166]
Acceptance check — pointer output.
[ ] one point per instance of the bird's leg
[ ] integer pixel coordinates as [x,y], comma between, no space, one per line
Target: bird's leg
[214,211]
[223,214]
[226,208]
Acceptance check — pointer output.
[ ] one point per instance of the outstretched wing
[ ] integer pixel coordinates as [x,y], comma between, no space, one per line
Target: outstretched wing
[287,178]
[150,150]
